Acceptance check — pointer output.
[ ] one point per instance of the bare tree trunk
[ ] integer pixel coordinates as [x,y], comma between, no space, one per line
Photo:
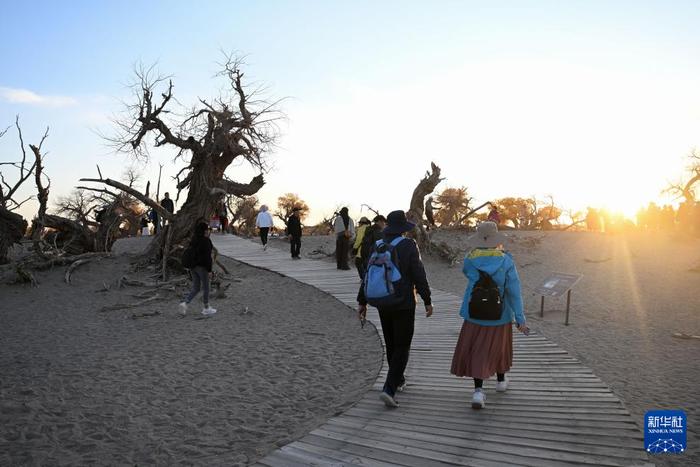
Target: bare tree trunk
[467,215]
[43,197]
[415,212]
[202,201]
[12,228]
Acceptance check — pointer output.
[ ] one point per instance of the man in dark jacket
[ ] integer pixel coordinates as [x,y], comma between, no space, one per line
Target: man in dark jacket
[294,232]
[167,203]
[398,321]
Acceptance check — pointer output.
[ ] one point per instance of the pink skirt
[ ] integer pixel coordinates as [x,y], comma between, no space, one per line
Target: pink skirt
[483,351]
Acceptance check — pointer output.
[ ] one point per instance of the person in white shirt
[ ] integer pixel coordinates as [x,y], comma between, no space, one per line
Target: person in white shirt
[264,223]
[344,228]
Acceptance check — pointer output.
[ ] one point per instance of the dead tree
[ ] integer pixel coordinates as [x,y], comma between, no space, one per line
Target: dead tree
[12,225]
[473,211]
[207,138]
[547,214]
[415,212]
[687,189]
[104,217]
[576,217]
[369,208]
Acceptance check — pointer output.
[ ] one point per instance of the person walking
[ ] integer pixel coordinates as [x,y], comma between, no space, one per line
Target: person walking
[372,234]
[398,320]
[155,220]
[201,252]
[344,228]
[485,344]
[144,226]
[494,216]
[363,225]
[294,232]
[264,223]
[167,204]
[223,217]
[430,212]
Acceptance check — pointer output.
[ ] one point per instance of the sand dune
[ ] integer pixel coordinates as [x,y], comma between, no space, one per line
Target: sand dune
[80,387]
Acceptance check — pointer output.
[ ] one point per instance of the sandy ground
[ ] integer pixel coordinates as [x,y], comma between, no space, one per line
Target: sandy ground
[637,290]
[85,387]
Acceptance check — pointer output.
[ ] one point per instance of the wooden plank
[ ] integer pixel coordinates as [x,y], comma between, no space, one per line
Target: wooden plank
[458,444]
[516,435]
[555,412]
[336,454]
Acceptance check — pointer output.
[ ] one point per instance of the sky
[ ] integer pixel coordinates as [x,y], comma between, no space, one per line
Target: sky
[594,103]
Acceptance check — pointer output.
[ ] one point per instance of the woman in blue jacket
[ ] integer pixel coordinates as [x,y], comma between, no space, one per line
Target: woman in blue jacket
[485,346]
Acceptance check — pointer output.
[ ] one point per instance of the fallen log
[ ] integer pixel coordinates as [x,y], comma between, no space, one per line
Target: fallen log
[124,306]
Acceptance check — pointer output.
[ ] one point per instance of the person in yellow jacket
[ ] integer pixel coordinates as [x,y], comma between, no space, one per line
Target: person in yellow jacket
[362,226]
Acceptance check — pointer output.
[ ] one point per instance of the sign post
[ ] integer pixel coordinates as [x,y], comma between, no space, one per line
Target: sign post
[554,286]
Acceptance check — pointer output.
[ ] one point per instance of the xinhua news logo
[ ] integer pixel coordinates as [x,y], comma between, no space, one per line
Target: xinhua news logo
[665,431]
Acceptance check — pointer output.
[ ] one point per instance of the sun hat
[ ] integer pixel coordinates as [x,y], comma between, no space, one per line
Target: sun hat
[486,236]
[364,220]
[396,223]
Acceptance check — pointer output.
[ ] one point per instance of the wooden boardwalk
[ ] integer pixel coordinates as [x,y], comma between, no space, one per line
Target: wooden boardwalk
[555,412]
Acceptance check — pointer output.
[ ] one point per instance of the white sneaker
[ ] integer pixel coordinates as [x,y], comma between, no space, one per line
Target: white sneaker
[208,311]
[265,247]
[388,400]
[183,308]
[401,387]
[501,386]
[478,399]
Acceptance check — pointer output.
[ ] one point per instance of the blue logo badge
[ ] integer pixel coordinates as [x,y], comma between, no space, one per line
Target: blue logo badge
[665,431]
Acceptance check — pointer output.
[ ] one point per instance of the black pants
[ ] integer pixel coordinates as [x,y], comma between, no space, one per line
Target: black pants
[263,234]
[342,247]
[295,242]
[397,327]
[360,265]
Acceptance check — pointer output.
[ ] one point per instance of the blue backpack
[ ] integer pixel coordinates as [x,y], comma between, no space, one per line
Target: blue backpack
[383,278]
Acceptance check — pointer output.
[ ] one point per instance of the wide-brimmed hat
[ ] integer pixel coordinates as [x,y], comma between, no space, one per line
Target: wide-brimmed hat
[364,220]
[486,236]
[397,223]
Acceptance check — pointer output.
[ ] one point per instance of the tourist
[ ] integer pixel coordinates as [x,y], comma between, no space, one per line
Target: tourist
[264,223]
[223,217]
[398,320]
[362,226]
[485,346]
[294,232]
[201,248]
[344,230]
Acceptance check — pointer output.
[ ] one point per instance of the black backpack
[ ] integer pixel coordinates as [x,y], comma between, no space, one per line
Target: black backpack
[486,302]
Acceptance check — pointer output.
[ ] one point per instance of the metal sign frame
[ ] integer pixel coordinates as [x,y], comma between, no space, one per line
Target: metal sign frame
[555,285]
